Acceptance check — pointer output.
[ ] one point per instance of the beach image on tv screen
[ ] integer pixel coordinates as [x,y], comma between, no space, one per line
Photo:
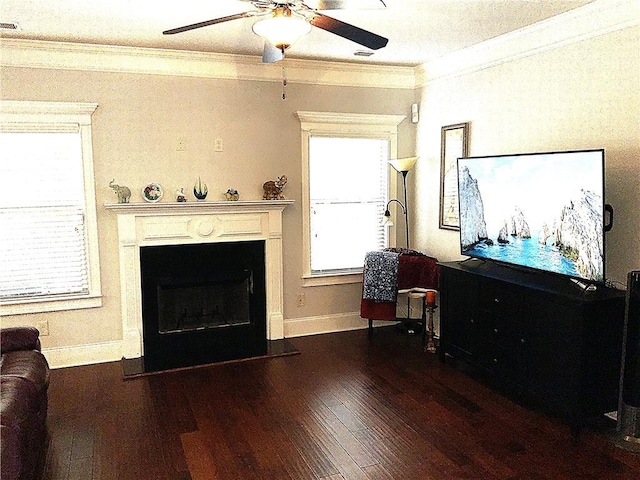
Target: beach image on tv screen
[543,211]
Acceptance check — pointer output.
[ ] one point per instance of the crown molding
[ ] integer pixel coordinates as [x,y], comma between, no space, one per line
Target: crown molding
[589,21]
[390,121]
[18,107]
[150,61]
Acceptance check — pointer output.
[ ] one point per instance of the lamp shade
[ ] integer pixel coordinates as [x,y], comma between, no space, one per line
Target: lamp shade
[403,164]
[387,222]
[283,29]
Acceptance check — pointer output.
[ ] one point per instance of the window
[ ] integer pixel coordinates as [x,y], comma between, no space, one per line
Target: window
[347,197]
[345,189]
[48,233]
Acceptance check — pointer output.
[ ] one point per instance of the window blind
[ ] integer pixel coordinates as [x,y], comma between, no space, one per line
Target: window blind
[42,213]
[347,193]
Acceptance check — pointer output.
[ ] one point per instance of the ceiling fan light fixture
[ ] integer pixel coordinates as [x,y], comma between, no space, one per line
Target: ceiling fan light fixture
[283,29]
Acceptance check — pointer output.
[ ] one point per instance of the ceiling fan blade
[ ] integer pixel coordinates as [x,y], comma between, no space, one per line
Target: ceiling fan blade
[193,26]
[271,54]
[345,4]
[348,31]
[262,3]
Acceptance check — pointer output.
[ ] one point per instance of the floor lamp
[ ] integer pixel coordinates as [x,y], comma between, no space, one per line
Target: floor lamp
[402,165]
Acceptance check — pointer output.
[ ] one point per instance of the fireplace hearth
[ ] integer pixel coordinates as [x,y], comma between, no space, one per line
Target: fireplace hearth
[203,303]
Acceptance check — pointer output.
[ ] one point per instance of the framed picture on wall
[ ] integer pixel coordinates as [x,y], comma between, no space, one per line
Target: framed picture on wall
[454,144]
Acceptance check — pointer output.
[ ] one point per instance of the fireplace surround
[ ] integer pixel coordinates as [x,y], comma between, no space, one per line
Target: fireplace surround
[199,223]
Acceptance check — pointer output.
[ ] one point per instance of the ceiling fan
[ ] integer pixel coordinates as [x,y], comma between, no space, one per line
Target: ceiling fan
[285,22]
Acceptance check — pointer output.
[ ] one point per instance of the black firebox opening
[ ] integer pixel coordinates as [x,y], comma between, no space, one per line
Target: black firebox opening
[203,303]
[196,306]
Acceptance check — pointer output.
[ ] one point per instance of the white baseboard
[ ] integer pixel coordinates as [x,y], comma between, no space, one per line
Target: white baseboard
[341,322]
[72,356]
[83,354]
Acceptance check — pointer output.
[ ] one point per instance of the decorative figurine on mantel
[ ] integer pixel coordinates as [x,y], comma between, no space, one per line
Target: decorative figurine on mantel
[123,193]
[273,190]
[200,190]
[180,196]
[232,194]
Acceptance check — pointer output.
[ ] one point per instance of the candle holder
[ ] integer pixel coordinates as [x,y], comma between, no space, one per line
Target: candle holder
[430,347]
[431,297]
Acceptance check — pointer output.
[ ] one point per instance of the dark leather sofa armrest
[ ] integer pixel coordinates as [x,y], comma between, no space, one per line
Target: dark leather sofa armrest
[19,338]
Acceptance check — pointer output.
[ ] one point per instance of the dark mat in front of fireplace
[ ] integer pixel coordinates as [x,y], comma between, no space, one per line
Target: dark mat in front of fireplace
[135,367]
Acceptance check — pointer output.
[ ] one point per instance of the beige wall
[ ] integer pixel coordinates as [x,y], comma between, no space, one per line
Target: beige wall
[136,129]
[535,90]
[580,96]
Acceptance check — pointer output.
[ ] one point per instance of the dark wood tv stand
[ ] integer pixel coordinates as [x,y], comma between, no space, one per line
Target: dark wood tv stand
[535,334]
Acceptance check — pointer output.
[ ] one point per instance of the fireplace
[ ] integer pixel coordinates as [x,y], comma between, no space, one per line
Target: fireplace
[202,303]
[146,228]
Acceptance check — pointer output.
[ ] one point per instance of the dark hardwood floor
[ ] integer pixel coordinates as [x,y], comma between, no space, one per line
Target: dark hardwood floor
[346,408]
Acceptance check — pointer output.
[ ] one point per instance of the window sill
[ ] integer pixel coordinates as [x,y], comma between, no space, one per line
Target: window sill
[335,279]
[49,305]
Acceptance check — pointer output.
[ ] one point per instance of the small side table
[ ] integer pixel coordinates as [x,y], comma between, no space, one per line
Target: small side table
[428,297]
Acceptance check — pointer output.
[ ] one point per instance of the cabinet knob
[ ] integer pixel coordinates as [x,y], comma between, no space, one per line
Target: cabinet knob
[495,330]
[472,320]
[523,341]
[496,300]
[495,361]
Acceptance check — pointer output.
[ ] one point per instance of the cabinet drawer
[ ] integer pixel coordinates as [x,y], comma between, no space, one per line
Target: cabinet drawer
[500,298]
[504,331]
[460,332]
[502,361]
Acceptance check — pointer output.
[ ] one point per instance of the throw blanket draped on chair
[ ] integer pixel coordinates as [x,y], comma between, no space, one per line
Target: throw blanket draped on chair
[380,276]
[414,269]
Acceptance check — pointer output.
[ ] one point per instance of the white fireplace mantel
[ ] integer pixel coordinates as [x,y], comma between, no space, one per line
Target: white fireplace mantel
[146,224]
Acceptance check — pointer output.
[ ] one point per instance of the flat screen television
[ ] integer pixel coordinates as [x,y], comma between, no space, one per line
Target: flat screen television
[543,211]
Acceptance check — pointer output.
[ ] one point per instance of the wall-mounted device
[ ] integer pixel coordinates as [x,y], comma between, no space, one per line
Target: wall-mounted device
[415,113]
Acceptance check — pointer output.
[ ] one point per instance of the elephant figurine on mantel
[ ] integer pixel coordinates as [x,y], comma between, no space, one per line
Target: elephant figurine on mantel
[123,193]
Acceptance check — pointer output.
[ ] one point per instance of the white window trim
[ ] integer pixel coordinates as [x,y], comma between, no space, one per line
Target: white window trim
[62,114]
[344,125]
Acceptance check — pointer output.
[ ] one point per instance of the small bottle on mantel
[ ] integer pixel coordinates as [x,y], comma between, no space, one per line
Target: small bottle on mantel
[180,196]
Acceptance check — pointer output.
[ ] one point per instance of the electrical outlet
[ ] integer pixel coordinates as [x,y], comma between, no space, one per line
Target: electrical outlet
[43,327]
[217,145]
[300,300]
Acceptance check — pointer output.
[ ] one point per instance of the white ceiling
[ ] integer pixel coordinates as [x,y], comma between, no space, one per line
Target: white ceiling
[418,30]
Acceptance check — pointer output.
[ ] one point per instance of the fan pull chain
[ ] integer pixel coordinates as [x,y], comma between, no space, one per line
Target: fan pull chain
[284,83]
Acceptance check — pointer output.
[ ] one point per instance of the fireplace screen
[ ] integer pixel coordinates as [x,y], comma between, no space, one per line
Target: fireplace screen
[196,307]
